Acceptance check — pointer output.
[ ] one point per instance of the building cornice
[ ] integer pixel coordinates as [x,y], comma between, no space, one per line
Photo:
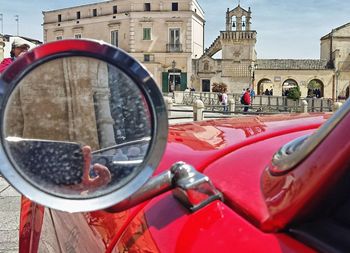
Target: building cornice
[133,14]
[77,7]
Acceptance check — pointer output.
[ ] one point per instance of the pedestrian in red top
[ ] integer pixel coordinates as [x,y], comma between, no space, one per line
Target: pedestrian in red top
[19,47]
[246,99]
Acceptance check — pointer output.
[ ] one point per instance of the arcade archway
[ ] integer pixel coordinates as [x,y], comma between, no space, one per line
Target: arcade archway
[287,85]
[263,85]
[315,89]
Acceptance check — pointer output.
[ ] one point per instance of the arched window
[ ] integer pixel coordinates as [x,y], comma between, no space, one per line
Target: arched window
[234,23]
[244,23]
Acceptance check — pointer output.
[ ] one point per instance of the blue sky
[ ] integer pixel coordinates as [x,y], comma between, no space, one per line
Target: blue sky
[286,29]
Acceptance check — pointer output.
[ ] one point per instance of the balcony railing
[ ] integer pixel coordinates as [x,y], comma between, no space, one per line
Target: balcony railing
[174,48]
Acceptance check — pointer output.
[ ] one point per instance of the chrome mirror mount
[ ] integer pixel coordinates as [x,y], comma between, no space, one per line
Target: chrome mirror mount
[192,188]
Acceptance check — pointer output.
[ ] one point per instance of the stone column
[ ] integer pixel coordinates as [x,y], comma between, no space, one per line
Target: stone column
[198,108]
[304,103]
[232,105]
[104,118]
[169,105]
[336,106]
[239,23]
[248,20]
[228,21]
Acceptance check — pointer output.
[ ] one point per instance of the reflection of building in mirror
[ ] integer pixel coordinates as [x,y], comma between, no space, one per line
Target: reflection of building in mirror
[55,102]
[128,108]
[78,99]
[101,95]
[81,100]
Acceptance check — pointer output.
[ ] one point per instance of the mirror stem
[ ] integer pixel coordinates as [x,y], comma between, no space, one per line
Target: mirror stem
[193,189]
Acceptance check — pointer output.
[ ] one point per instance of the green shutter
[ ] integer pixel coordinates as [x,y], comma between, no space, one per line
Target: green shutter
[149,34]
[146,33]
[165,82]
[183,81]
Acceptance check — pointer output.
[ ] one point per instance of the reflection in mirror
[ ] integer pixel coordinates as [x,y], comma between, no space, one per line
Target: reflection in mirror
[77,127]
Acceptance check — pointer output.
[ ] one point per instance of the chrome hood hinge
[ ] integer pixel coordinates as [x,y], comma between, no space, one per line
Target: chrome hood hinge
[192,188]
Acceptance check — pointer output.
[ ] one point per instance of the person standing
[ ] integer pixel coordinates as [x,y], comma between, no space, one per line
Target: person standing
[224,100]
[252,95]
[18,48]
[246,99]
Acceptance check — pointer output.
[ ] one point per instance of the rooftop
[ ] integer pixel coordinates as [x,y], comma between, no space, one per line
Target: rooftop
[294,64]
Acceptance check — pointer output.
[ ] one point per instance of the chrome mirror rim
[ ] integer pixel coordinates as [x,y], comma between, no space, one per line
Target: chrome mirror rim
[116,57]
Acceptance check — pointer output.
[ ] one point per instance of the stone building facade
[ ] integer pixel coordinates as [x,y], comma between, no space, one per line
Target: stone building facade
[239,67]
[164,35]
[168,38]
[335,49]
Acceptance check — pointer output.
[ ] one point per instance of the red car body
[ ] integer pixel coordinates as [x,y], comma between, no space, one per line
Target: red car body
[234,154]
[266,206]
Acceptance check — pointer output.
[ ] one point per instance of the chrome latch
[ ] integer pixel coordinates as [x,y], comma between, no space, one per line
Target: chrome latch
[193,189]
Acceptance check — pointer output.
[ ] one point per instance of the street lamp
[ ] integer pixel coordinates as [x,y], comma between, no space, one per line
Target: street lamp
[337,73]
[173,65]
[17,20]
[2,23]
[252,68]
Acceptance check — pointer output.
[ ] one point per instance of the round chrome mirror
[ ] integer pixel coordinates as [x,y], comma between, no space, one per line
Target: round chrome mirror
[83,125]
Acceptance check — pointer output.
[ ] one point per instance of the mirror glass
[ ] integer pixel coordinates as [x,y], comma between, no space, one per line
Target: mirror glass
[77,127]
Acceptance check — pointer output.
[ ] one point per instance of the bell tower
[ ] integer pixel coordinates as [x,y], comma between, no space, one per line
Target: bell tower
[237,44]
[238,19]
[238,41]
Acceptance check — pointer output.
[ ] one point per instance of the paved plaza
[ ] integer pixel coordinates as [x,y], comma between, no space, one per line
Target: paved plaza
[9,217]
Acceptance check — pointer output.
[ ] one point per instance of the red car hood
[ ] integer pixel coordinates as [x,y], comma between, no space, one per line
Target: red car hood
[234,152]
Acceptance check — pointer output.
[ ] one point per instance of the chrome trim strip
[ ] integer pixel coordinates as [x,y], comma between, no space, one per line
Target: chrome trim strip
[120,145]
[131,162]
[283,164]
